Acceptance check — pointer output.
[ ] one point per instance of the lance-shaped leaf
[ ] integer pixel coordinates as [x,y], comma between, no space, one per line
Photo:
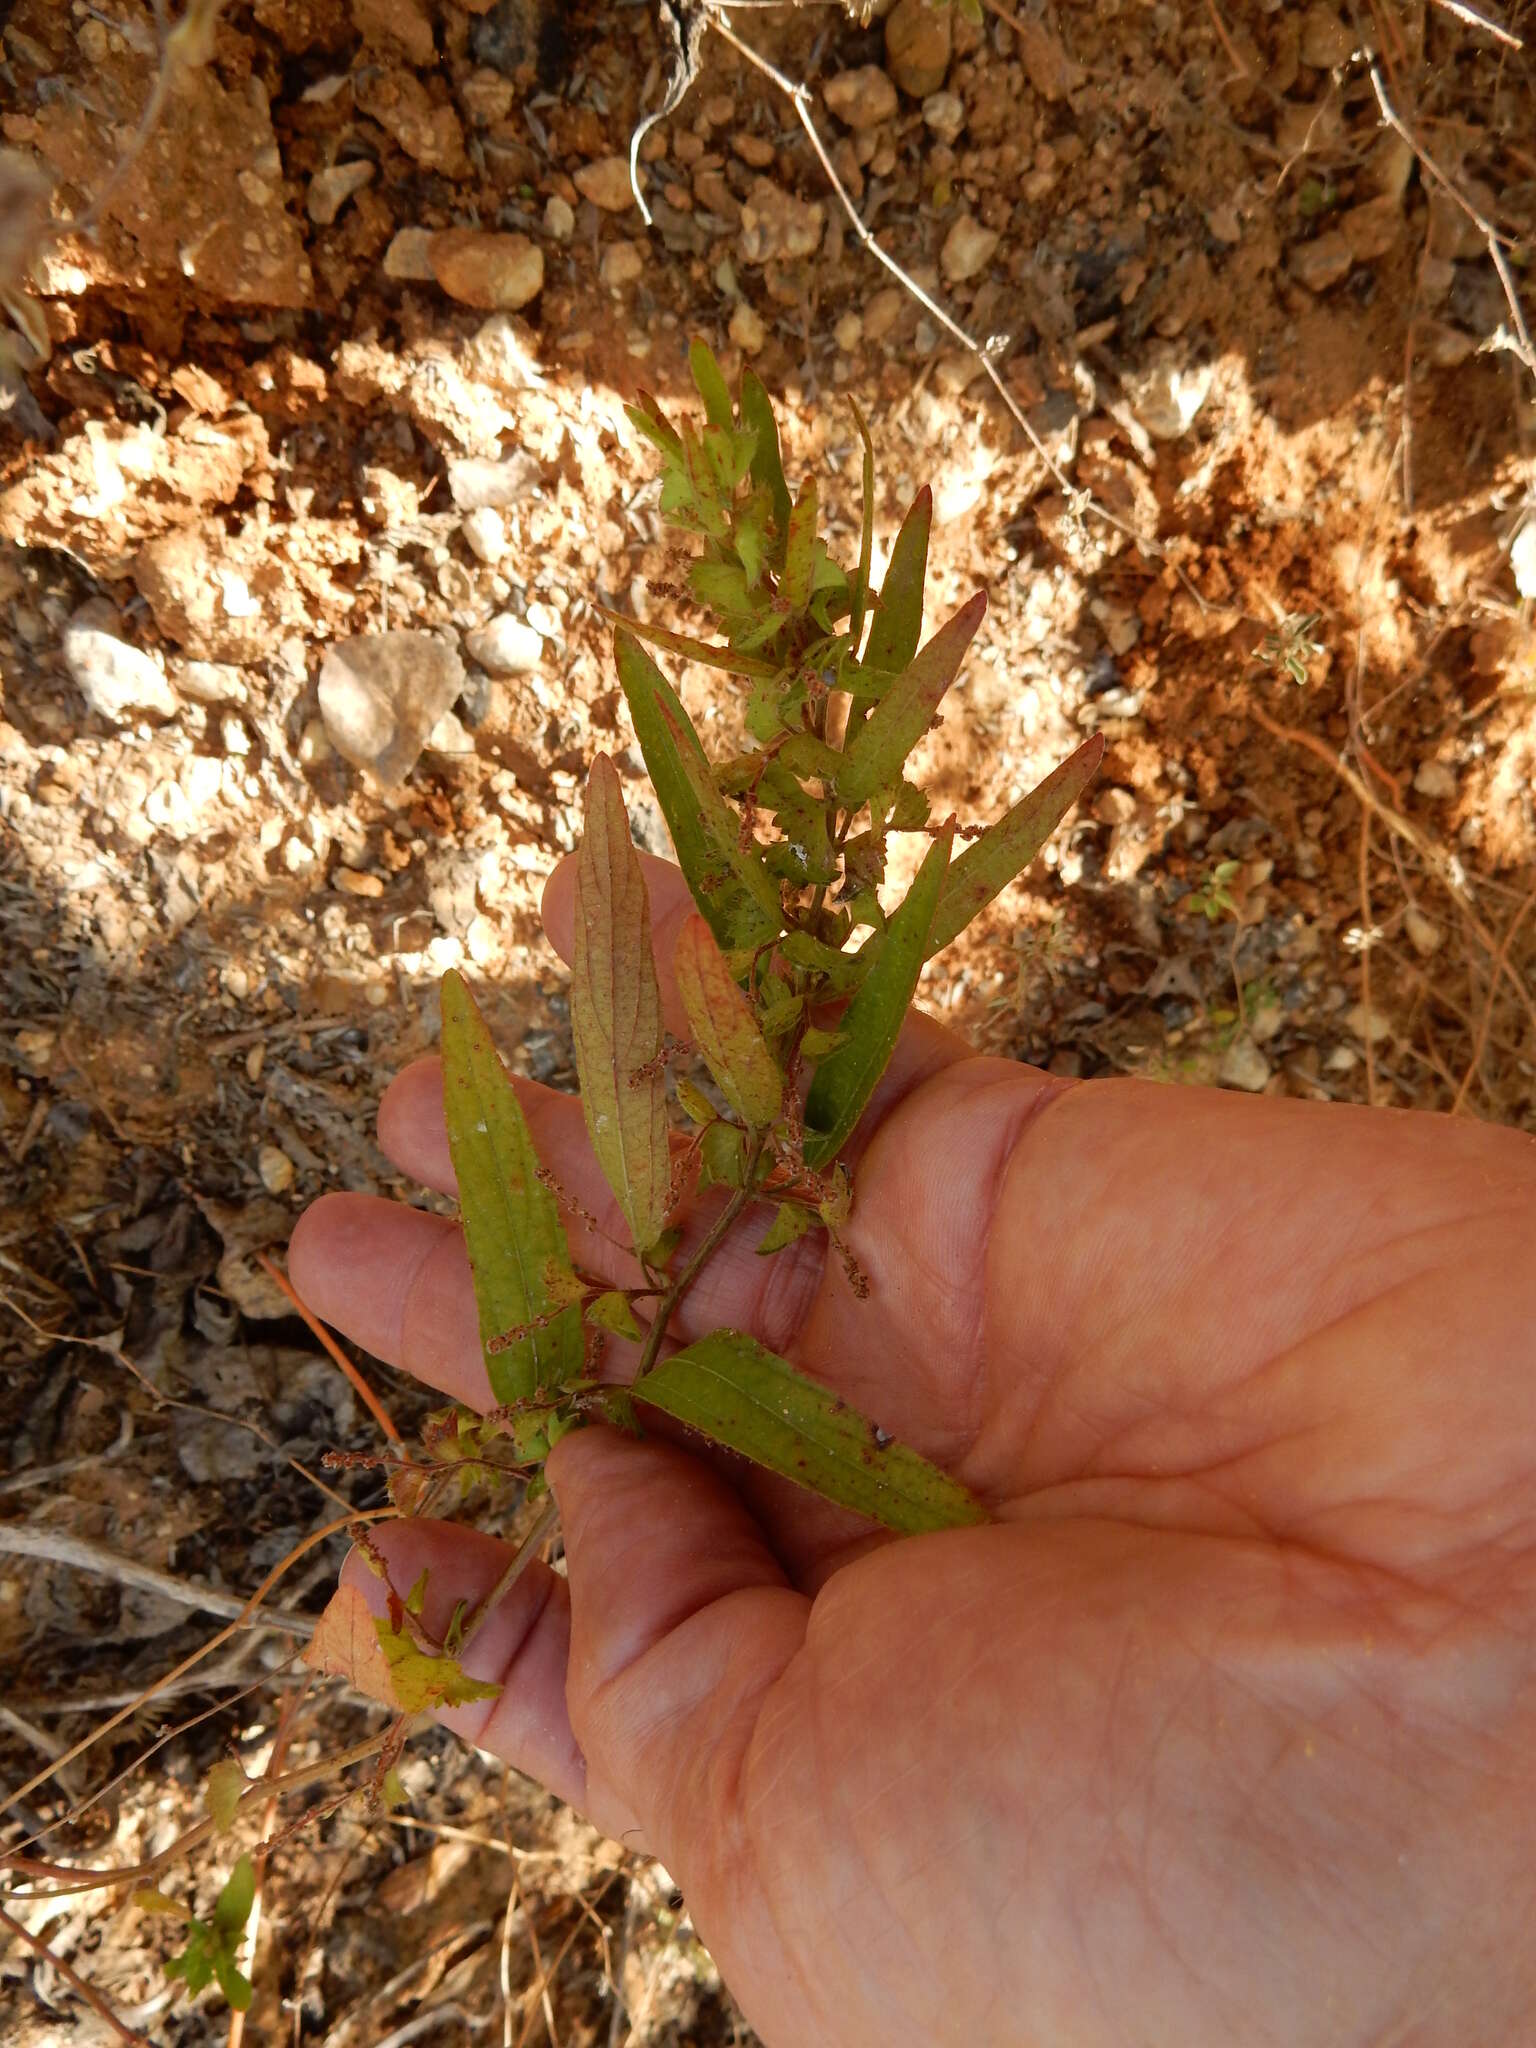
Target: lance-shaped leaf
[871,1024]
[738,1394]
[799,577]
[711,385]
[724,1028]
[729,883]
[897,625]
[1006,849]
[727,659]
[876,754]
[767,462]
[860,595]
[616,1013]
[512,1228]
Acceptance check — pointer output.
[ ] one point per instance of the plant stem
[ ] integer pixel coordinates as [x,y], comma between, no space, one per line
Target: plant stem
[667,1307]
[517,1564]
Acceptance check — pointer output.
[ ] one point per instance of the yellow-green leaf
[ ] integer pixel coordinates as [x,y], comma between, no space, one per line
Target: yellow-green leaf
[616,1012]
[798,579]
[732,1390]
[729,882]
[222,1793]
[512,1228]
[877,752]
[724,1028]
[1005,849]
[420,1680]
[767,462]
[872,1022]
[727,659]
[790,1223]
[612,1312]
[711,384]
[897,625]
[860,597]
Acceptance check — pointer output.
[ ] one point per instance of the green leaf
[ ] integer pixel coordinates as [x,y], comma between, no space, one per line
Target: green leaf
[839,971]
[735,1392]
[222,1793]
[648,417]
[421,1680]
[233,1982]
[798,579]
[711,384]
[723,1156]
[767,462]
[695,1104]
[897,625]
[791,1222]
[724,1028]
[232,1908]
[990,863]
[872,1022]
[860,597]
[708,502]
[512,1226]
[727,659]
[616,1012]
[729,883]
[612,1312]
[877,752]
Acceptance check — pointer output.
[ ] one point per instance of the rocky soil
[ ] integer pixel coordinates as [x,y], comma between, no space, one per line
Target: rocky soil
[313,476]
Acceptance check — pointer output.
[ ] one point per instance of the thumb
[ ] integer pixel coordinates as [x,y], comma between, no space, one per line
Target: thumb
[681,1621]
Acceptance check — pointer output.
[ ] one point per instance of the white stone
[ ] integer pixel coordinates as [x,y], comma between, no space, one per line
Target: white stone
[944,115]
[275,1168]
[1244,1066]
[747,329]
[1436,780]
[485,533]
[968,249]
[330,189]
[1522,558]
[559,218]
[505,646]
[115,679]
[1424,935]
[382,693]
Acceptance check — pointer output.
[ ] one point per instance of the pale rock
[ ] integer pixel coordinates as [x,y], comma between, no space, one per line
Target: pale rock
[427,130]
[862,98]
[747,329]
[406,259]
[968,249]
[1326,40]
[1372,229]
[208,682]
[450,736]
[357,882]
[315,747]
[475,481]
[606,184]
[505,646]
[485,534]
[622,266]
[275,1168]
[1389,165]
[1424,935]
[775,226]
[496,272]
[234,734]
[1522,558]
[487,97]
[1322,263]
[330,189]
[848,333]
[1436,780]
[559,218]
[918,41]
[503,353]
[1370,1026]
[115,678]
[382,693]
[1443,346]
[755,150]
[882,309]
[944,115]
[1244,1066]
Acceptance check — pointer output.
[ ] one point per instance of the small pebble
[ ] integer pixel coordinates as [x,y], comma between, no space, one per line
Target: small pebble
[275,1168]
[622,265]
[968,249]
[559,218]
[357,882]
[330,189]
[747,329]
[1435,780]
[485,534]
[497,273]
[1424,935]
[606,184]
[944,115]
[505,646]
[862,98]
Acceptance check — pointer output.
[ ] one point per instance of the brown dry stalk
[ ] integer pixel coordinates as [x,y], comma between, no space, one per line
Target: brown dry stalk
[76,1983]
[53,1546]
[286,1564]
[1501,967]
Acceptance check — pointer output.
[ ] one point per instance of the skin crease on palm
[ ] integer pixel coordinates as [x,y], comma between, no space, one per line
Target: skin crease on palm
[1224,1732]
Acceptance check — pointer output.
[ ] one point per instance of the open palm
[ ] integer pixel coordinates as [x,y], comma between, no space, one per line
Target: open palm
[1223,1732]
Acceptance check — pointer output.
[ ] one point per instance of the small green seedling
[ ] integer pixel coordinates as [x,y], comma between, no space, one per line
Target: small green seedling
[795,975]
[212,1945]
[1291,646]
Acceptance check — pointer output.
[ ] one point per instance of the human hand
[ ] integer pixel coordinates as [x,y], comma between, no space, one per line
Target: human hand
[1223,1732]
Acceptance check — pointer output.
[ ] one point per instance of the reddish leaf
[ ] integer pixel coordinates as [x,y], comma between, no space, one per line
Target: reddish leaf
[724,1028]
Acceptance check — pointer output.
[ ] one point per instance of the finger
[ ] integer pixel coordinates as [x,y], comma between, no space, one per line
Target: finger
[669,1664]
[397,1282]
[523,1644]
